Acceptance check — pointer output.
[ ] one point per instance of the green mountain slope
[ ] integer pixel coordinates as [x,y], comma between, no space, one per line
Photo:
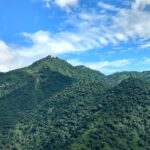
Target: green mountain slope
[123,121]
[63,117]
[120,76]
[64,68]
[52,105]
[24,89]
[30,93]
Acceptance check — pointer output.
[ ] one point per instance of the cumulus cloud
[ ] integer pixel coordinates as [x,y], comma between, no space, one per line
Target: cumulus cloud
[44,43]
[8,58]
[5,52]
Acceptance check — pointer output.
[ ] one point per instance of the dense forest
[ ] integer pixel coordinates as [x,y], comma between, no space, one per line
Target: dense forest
[52,105]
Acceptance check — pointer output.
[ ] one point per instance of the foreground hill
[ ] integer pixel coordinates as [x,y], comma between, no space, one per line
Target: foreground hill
[122,122]
[52,105]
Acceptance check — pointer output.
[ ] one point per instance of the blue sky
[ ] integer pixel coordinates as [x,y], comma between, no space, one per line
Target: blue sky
[105,35]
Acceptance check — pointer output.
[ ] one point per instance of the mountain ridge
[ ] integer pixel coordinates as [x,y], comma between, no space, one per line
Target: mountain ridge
[54,105]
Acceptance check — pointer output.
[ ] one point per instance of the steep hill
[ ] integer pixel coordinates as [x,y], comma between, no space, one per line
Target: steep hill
[24,89]
[52,105]
[64,68]
[123,121]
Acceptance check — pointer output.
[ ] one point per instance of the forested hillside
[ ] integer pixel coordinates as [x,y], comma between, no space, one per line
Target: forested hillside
[52,105]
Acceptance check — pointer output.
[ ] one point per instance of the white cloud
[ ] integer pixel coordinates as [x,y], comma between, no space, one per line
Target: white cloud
[146,60]
[106,67]
[8,58]
[66,3]
[108,6]
[131,25]
[140,4]
[95,29]
[61,3]
[92,30]
[145,45]
[43,44]
[102,28]
[124,25]
[5,52]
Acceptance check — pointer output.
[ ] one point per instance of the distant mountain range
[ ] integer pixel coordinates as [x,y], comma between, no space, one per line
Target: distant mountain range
[52,105]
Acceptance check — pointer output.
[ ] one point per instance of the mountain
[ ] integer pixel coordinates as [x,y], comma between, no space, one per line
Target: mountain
[120,76]
[57,65]
[23,89]
[52,105]
[123,121]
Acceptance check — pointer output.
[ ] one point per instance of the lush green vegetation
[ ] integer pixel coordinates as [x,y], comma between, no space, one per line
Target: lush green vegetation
[52,105]
[120,76]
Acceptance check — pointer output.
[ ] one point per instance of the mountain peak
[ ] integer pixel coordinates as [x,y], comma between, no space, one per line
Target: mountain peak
[49,62]
[56,64]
